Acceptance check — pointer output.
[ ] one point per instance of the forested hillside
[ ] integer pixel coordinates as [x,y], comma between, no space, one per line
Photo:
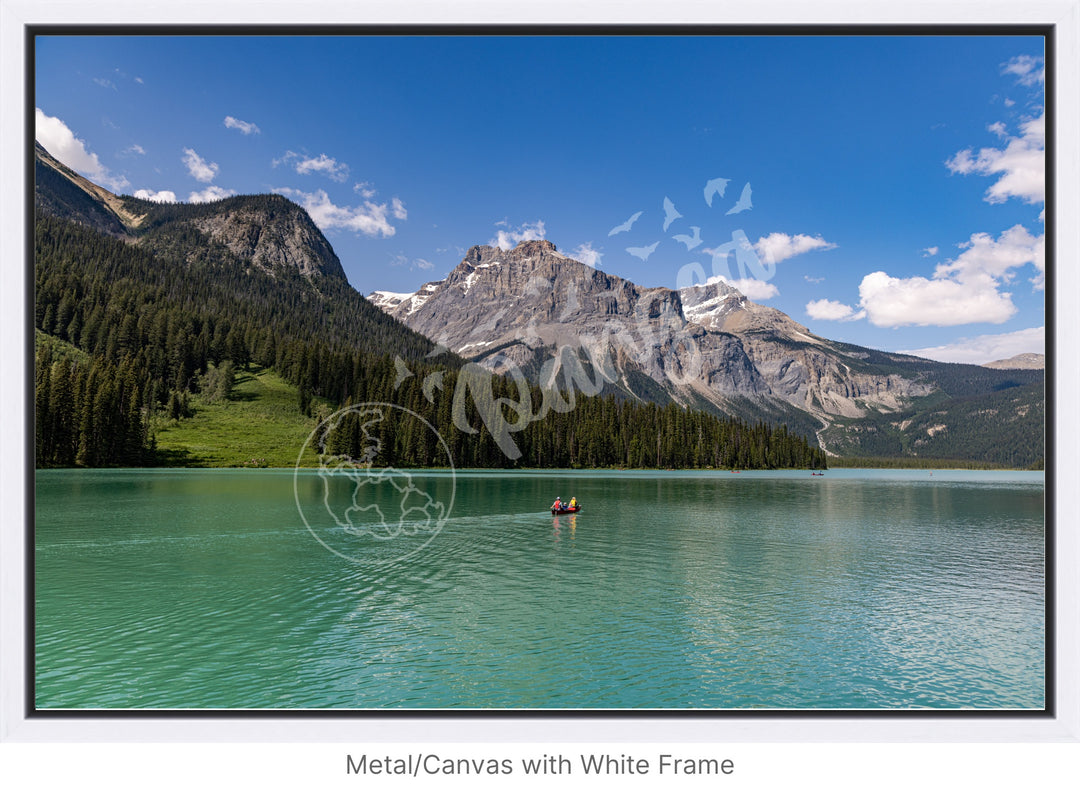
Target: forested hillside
[955,428]
[156,324]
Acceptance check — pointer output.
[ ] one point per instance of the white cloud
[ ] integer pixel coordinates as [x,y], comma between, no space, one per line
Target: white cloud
[588,255]
[829,310]
[1021,164]
[982,255]
[368,218]
[753,289]
[211,193]
[155,196]
[781,246]
[987,348]
[198,168]
[1038,282]
[964,290]
[1028,69]
[62,144]
[247,128]
[134,149]
[813,280]
[323,164]
[364,189]
[930,251]
[105,83]
[425,265]
[398,209]
[896,302]
[508,239]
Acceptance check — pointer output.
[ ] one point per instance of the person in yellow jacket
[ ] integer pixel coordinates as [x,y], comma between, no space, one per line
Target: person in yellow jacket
[573,503]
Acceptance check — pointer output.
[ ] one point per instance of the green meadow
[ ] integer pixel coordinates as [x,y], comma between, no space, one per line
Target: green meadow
[260,425]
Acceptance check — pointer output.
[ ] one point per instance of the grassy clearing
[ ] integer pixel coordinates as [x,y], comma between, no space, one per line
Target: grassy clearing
[260,426]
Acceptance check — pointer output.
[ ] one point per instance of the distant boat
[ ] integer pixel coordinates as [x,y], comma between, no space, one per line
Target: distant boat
[565,509]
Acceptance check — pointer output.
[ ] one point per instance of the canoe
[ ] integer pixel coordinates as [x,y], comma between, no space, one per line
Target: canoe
[566,511]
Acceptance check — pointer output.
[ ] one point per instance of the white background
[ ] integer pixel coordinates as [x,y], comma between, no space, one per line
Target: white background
[782,756]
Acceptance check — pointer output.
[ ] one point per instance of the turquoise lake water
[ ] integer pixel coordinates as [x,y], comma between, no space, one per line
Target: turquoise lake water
[755,590]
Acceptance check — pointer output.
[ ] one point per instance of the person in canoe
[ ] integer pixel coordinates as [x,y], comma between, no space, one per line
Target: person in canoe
[561,507]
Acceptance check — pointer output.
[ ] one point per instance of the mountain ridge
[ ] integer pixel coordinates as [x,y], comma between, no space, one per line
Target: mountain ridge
[146,330]
[1026,360]
[274,233]
[250,278]
[535,311]
[500,308]
[61,191]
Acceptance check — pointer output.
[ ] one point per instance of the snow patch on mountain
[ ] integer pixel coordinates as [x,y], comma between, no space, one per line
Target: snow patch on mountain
[404,304]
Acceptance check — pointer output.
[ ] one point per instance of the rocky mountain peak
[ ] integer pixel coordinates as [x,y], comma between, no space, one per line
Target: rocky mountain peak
[490,273]
[720,307]
[271,231]
[533,248]
[481,254]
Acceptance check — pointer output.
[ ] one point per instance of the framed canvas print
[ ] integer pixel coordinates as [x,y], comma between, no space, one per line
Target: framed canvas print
[632,371]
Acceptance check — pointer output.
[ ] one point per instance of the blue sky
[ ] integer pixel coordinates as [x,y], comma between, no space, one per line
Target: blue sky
[896,183]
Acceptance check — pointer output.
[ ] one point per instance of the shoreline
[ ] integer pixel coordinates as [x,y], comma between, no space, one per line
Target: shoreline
[611,471]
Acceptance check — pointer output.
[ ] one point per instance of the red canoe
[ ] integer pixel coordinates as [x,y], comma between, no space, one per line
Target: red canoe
[566,511]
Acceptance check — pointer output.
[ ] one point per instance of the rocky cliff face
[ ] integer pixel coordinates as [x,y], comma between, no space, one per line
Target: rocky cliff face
[550,316]
[273,233]
[799,367]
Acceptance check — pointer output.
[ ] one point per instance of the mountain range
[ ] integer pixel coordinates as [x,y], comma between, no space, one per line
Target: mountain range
[252,278]
[534,311]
